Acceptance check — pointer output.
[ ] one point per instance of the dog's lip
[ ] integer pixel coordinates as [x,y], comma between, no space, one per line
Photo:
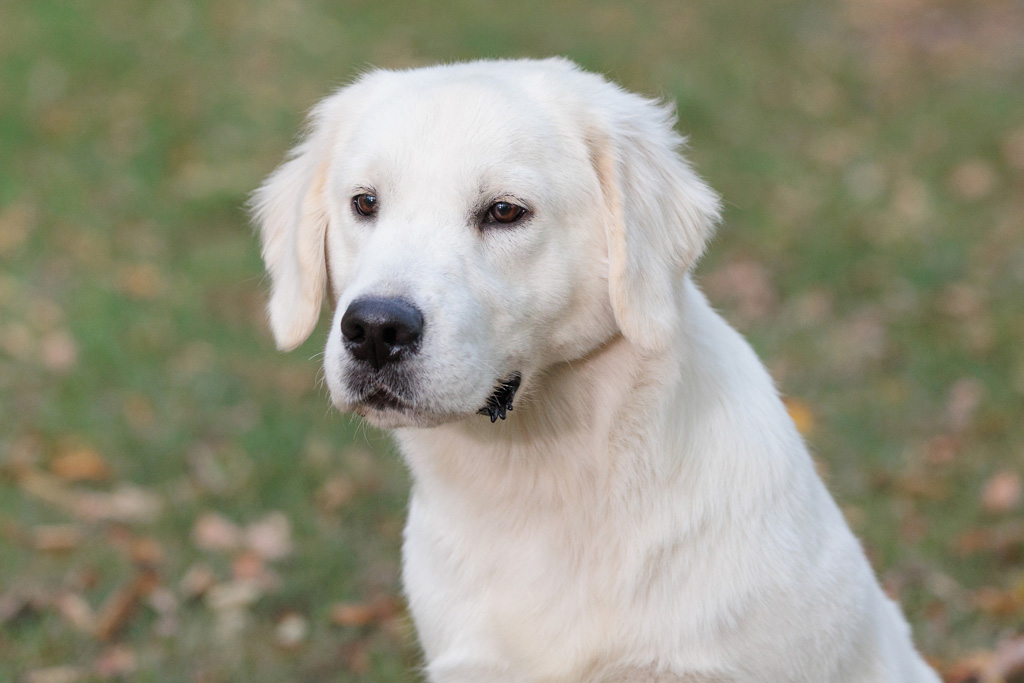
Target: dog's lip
[500,400]
[382,398]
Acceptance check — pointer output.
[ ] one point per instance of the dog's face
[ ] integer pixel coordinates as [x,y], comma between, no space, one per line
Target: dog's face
[476,224]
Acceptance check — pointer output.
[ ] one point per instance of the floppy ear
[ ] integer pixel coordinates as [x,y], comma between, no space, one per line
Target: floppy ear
[290,211]
[660,213]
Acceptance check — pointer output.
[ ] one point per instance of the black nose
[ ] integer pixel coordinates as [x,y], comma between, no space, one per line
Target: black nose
[381,331]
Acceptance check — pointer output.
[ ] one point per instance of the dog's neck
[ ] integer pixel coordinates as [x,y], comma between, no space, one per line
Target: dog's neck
[576,433]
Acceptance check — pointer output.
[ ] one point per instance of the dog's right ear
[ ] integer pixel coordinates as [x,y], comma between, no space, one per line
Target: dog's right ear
[290,211]
[660,213]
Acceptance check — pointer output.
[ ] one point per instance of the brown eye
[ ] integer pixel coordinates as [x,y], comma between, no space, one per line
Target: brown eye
[365,204]
[505,212]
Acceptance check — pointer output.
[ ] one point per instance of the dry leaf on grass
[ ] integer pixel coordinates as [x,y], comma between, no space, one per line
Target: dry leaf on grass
[270,537]
[233,595]
[81,464]
[377,610]
[198,579]
[116,661]
[1008,662]
[56,538]
[213,531]
[74,608]
[356,656]
[55,674]
[997,602]
[748,286]
[291,630]
[122,603]
[128,504]
[973,180]
[335,493]
[801,414]
[1002,492]
[1005,665]
[250,566]
[963,401]
[58,352]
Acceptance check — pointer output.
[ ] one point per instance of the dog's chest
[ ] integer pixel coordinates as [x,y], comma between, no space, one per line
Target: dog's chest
[556,593]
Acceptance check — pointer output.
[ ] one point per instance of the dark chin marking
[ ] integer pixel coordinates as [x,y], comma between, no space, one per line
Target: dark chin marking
[501,400]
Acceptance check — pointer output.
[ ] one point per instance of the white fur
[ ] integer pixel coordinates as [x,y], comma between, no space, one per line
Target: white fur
[648,512]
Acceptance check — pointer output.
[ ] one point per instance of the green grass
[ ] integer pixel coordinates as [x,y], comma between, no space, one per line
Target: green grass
[131,132]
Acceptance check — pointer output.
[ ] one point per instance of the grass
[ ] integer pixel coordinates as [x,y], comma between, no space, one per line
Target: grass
[871,156]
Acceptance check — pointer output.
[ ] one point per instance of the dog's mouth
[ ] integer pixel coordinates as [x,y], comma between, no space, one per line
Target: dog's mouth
[383,399]
[500,402]
[380,393]
[377,397]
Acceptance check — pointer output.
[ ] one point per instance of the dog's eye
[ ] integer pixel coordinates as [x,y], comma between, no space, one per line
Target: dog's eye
[365,204]
[505,212]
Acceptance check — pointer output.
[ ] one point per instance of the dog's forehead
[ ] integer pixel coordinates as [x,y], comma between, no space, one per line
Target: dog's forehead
[455,121]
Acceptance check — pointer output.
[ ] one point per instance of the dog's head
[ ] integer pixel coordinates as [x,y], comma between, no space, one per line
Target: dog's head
[475,224]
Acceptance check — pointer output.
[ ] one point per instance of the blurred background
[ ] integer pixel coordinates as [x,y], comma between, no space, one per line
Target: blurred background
[179,503]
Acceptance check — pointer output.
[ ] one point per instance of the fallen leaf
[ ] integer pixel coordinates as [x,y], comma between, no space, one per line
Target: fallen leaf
[859,339]
[747,285]
[801,414]
[122,603]
[145,552]
[963,401]
[291,630]
[248,565]
[941,450]
[128,504]
[1002,492]
[74,608]
[362,614]
[213,531]
[116,661]
[967,669]
[198,579]
[81,464]
[58,351]
[335,493]
[55,674]
[997,602]
[1007,664]
[56,538]
[233,595]
[271,536]
[356,656]
[142,281]
[973,180]
[163,601]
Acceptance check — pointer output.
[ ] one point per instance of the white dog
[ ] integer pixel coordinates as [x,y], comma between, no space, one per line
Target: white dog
[523,230]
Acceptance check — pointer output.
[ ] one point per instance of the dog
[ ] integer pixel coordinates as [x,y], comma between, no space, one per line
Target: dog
[606,484]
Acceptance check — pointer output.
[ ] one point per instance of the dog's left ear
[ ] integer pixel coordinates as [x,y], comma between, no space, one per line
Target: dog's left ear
[660,213]
[290,211]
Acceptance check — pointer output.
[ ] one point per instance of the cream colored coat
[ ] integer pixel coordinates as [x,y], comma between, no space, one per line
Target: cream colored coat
[648,512]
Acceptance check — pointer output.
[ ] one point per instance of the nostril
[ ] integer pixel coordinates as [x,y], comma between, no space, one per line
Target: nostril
[352,330]
[381,331]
